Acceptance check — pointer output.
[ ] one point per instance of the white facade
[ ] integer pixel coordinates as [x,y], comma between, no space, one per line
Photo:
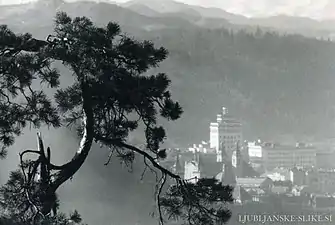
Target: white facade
[191,171]
[203,148]
[255,150]
[234,159]
[278,176]
[214,136]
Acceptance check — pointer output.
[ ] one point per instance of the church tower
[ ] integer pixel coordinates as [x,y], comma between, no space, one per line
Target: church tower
[239,161]
[228,177]
[245,151]
[179,170]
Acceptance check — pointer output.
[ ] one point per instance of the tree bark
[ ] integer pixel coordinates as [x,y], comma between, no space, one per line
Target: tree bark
[67,170]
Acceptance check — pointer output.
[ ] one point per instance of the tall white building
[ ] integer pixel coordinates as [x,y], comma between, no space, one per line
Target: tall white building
[226,130]
[214,136]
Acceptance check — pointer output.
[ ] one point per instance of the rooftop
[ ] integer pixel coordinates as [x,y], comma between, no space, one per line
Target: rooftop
[322,170]
[251,181]
[279,170]
[225,117]
[229,119]
[326,170]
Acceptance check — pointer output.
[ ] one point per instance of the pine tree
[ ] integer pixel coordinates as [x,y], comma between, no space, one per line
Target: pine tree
[110,89]
[17,209]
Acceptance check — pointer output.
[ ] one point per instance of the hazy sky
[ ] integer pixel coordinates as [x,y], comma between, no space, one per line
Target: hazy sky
[309,8]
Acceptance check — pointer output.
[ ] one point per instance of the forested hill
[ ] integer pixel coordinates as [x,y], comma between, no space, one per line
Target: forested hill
[276,84]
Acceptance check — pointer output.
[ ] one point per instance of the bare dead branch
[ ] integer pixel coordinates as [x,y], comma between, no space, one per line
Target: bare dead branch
[27,193]
[120,144]
[158,198]
[110,155]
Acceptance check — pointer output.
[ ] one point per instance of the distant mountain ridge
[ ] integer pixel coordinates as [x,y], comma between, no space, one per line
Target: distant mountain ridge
[278,85]
[302,25]
[200,16]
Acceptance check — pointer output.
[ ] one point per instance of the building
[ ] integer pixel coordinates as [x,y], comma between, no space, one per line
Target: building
[192,172]
[196,165]
[316,179]
[276,155]
[279,174]
[204,147]
[325,159]
[226,130]
[243,172]
[263,183]
[200,165]
[255,150]
[214,136]
[278,189]
[323,180]
[299,176]
[326,180]
[178,167]
[255,187]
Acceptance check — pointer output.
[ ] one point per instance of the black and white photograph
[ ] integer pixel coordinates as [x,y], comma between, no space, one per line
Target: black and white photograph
[167,112]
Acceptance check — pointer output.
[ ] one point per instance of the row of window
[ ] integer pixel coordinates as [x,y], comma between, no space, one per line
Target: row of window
[290,157]
[292,162]
[230,131]
[289,160]
[230,137]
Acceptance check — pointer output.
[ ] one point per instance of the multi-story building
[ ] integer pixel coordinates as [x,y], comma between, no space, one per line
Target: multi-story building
[227,131]
[275,155]
[322,180]
[214,136]
[325,159]
[255,150]
[299,177]
[253,187]
[255,154]
[316,180]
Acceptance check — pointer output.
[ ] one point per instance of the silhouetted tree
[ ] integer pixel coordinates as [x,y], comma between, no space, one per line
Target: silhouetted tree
[109,98]
[18,207]
[200,203]
[25,195]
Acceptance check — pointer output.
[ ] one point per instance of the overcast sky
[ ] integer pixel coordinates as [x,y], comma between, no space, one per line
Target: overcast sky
[310,8]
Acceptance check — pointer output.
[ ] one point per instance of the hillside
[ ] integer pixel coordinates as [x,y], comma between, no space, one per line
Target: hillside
[276,84]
